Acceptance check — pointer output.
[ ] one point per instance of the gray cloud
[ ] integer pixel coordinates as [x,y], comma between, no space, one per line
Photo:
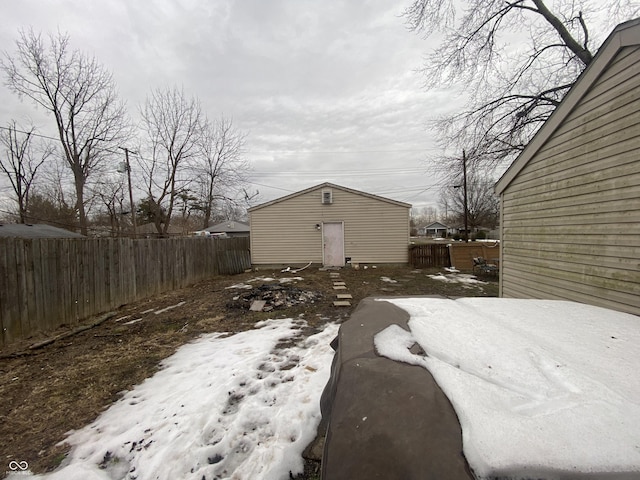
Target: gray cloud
[328,91]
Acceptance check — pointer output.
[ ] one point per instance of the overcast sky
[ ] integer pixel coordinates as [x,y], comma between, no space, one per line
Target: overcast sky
[327,90]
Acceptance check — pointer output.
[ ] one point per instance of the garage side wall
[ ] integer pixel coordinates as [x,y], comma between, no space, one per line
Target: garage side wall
[571,217]
[375,231]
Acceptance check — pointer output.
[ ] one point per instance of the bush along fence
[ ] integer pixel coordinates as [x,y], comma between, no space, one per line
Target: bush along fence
[46,283]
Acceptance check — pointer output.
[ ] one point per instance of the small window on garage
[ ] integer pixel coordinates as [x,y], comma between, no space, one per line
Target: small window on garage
[327,197]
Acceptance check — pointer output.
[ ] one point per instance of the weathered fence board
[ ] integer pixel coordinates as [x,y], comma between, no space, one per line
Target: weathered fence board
[429,255]
[46,283]
[462,254]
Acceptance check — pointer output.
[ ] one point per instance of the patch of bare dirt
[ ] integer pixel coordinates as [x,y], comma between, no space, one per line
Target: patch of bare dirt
[66,384]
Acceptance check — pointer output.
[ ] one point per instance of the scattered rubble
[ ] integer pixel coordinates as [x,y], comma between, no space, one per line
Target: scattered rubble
[271,296]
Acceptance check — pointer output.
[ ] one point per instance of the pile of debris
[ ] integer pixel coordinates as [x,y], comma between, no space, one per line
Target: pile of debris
[271,296]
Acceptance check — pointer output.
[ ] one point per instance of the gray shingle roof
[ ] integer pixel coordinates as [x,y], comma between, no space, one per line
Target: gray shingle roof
[22,230]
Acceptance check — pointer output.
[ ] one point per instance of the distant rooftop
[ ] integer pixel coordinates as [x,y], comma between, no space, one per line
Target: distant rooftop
[229,226]
[25,230]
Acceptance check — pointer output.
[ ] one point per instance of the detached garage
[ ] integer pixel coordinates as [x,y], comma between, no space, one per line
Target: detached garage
[570,203]
[329,225]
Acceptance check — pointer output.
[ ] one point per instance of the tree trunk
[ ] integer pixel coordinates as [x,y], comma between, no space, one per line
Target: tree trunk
[208,207]
[79,184]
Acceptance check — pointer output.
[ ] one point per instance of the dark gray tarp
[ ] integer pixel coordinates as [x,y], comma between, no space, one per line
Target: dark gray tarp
[385,419]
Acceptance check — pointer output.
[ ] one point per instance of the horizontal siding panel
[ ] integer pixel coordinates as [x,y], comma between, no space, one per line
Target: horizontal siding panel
[622,280]
[520,288]
[606,194]
[610,231]
[580,142]
[613,267]
[589,159]
[619,240]
[610,255]
[584,121]
[626,58]
[526,282]
[549,280]
[585,130]
[599,161]
[585,216]
[614,122]
[621,71]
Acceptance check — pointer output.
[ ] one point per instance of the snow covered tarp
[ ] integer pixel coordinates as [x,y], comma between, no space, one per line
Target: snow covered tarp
[542,389]
[385,419]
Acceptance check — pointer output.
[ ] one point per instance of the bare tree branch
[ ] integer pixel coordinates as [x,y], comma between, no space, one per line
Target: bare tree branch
[510,91]
[79,93]
[20,162]
[222,166]
[174,125]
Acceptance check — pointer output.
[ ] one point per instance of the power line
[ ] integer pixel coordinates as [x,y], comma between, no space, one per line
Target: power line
[53,138]
[341,152]
[281,152]
[269,186]
[359,173]
[30,133]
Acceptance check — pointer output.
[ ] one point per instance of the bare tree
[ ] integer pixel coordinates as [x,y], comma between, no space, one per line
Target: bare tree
[80,94]
[56,186]
[51,200]
[514,59]
[482,203]
[222,167]
[174,126]
[20,162]
[424,216]
[114,204]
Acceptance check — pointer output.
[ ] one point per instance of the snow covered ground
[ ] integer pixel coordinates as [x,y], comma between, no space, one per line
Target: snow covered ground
[465,279]
[542,389]
[222,407]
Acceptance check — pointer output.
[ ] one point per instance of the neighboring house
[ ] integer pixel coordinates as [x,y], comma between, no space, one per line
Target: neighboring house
[25,230]
[149,230]
[570,203]
[330,225]
[435,229]
[229,228]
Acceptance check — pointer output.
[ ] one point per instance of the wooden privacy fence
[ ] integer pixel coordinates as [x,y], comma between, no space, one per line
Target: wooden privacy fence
[462,254]
[46,283]
[429,255]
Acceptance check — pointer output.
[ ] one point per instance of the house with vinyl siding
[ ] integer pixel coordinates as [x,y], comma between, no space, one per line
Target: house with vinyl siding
[570,203]
[330,225]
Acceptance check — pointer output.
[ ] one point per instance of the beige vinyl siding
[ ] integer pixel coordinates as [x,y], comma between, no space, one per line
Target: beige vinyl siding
[571,216]
[375,231]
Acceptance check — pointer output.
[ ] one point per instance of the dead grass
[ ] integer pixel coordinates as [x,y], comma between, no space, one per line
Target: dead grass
[63,386]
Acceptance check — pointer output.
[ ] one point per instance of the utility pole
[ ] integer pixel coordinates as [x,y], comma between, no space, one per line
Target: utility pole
[466,207]
[133,211]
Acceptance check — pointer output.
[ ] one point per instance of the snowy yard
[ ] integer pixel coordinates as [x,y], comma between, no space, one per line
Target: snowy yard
[542,389]
[242,406]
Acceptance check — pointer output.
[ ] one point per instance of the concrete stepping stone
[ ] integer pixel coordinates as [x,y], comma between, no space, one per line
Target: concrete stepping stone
[339,287]
[338,283]
[343,296]
[341,303]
